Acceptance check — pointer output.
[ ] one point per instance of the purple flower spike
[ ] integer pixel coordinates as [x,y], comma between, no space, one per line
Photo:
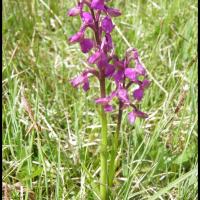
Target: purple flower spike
[97,4]
[74,11]
[87,18]
[113,12]
[86,45]
[107,25]
[108,67]
[138,94]
[76,37]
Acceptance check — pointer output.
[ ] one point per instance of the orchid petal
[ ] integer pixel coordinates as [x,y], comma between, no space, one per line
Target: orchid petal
[107,25]
[86,45]
[98,4]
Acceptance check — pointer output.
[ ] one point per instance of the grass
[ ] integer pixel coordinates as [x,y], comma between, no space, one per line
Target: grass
[51,131]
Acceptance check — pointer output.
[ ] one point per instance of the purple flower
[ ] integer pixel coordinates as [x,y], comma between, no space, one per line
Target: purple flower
[97,4]
[131,117]
[123,95]
[131,74]
[138,94]
[81,80]
[74,11]
[78,80]
[103,101]
[109,43]
[107,25]
[118,76]
[109,70]
[108,108]
[86,85]
[113,12]
[87,18]
[86,45]
[94,57]
[145,84]
[76,37]
[139,68]
[135,54]
[136,113]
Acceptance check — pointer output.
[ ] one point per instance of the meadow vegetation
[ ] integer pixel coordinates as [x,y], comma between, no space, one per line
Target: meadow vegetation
[51,130]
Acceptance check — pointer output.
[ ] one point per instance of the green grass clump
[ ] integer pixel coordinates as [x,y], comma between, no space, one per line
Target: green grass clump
[51,131]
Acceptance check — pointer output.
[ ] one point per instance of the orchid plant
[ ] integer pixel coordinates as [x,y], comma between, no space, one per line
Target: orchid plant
[105,65]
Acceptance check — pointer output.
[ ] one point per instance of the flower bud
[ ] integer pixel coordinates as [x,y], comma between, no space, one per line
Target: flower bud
[74,11]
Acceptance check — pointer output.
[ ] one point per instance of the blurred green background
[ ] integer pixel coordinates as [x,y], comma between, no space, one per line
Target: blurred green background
[51,130]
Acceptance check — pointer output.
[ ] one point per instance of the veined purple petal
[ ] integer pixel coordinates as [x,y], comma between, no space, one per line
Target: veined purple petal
[74,11]
[108,108]
[138,94]
[87,17]
[86,45]
[94,57]
[131,74]
[113,12]
[107,25]
[76,37]
[97,4]
[131,117]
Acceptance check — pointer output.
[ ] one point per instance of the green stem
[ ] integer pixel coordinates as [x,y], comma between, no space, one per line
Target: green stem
[113,161]
[103,154]
[103,186]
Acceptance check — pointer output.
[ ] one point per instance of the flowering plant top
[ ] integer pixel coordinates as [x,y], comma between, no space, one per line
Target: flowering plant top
[104,63]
